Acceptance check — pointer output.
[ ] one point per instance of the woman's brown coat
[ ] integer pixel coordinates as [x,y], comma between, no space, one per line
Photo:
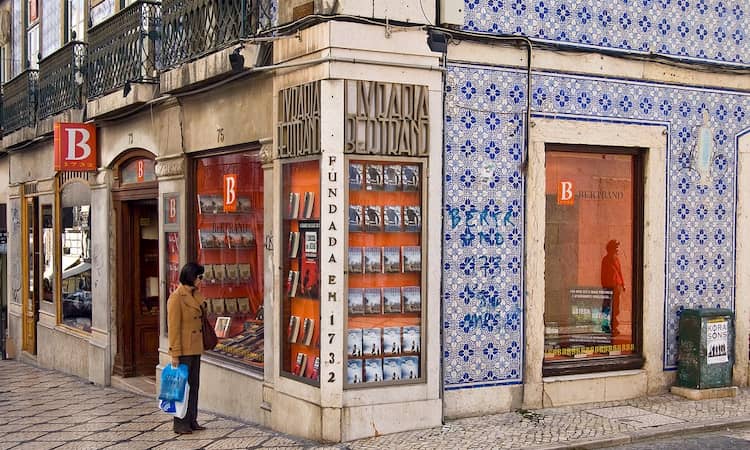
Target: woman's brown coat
[184,322]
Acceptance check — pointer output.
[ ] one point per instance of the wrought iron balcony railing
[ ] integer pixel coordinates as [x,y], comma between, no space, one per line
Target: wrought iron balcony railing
[124,48]
[193,28]
[61,79]
[19,101]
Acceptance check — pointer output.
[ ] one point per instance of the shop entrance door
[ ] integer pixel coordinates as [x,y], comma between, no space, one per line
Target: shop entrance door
[30,267]
[138,288]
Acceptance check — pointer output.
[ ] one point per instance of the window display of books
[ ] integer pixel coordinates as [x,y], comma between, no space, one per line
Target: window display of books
[384,272]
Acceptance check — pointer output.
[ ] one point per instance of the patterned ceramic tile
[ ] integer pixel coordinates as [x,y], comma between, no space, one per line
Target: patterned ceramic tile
[484,192]
[704,29]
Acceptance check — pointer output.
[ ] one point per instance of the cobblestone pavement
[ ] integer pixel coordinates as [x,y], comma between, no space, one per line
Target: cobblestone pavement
[44,409]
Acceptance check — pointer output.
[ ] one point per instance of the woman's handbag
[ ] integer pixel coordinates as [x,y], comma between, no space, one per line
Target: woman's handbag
[209,335]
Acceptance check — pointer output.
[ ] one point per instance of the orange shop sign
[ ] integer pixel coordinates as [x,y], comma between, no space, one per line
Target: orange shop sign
[75,146]
[565,192]
[230,192]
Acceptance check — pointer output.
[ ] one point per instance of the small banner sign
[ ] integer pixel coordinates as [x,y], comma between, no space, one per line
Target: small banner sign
[75,146]
[230,192]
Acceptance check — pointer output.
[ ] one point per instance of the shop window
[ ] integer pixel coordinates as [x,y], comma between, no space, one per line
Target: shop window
[75,212]
[138,170]
[592,242]
[229,223]
[48,248]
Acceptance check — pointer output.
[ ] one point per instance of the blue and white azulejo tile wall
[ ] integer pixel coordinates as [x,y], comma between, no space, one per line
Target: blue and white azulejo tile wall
[484,198]
[712,30]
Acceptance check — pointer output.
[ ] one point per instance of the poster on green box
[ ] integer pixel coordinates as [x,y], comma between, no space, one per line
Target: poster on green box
[717,331]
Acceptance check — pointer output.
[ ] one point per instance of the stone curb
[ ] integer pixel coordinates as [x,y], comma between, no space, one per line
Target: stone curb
[649,434]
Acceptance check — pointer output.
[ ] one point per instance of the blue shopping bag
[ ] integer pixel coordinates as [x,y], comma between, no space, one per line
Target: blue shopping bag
[175,408]
[173,381]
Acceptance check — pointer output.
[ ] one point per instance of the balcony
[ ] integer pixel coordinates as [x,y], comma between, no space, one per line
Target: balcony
[123,50]
[61,80]
[19,103]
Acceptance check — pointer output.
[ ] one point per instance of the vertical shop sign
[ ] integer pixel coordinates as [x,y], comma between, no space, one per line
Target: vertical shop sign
[140,171]
[170,208]
[75,146]
[298,128]
[230,192]
[565,192]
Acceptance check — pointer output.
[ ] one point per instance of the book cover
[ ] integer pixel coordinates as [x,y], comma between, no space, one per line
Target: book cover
[355,260]
[373,301]
[354,342]
[412,258]
[241,239]
[373,370]
[292,331]
[355,176]
[209,204]
[412,298]
[311,244]
[217,306]
[292,282]
[244,205]
[373,218]
[293,207]
[220,273]
[293,246]
[309,205]
[373,260]
[410,339]
[409,367]
[244,272]
[410,177]
[392,218]
[315,374]
[307,331]
[232,272]
[392,178]
[371,341]
[355,217]
[392,340]
[412,218]
[356,301]
[354,371]
[231,305]
[221,328]
[300,364]
[243,304]
[374,177]
[310,276]
[208,239]
[391,259]
[208,273]
[391,300]
[392,368]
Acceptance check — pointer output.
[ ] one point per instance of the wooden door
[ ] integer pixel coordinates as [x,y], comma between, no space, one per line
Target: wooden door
[30,267]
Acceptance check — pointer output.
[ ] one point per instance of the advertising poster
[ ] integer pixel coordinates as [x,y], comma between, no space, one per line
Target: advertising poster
[717,331]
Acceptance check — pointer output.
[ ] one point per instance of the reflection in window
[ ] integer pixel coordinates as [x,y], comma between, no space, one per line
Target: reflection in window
[76,256]
[48,270]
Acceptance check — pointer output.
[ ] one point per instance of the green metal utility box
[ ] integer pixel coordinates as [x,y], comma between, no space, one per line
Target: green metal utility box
[706,353]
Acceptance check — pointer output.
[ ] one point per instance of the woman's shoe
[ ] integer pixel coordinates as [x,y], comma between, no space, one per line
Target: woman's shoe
[196,427]
[188,431]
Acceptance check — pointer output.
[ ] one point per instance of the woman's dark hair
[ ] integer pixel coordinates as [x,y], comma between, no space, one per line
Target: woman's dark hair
[190,272]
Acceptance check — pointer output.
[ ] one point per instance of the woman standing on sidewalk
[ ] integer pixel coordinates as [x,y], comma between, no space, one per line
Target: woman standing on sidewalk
[184,316]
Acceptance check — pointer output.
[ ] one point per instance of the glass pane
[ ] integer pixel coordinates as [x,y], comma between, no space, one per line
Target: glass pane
[48,238]
[76,256]
[589,255]
[31,220]
[137,171]
[230,222]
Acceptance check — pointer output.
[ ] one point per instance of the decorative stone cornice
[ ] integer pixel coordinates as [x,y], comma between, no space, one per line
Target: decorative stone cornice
[170,166]
[266,151]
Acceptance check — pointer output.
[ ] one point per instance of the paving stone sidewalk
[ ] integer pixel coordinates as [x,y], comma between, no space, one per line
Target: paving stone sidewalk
[44,409]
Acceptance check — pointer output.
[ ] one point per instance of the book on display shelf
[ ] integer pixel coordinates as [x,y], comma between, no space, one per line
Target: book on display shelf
[410,177]
[221,328]
[244,272]
[410,339]
[232,271]
[373,370]
[392,368]
[354,342]
[309,274]
[292,332]
[412,258]
[241,239]
[371,341]
[209,239]
[355,176]
[392,178]
[308,331]
[293,244]
[220,273]
[373,301]
[356,301]
[244,205]
[311,243]
[355,217]
[315,374]
[243,304]
[412,218]
[412,298]
[392,300]
[374,177]
[231,305]
[292,283]
[309,205]
[209,204]
[373,260]
[409,367]
[300,364]
[354,371]
[373,218]
[391,340]
[293,207]
[208,273]
[391,259]
[392,218]
[355,260]
[217,306]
